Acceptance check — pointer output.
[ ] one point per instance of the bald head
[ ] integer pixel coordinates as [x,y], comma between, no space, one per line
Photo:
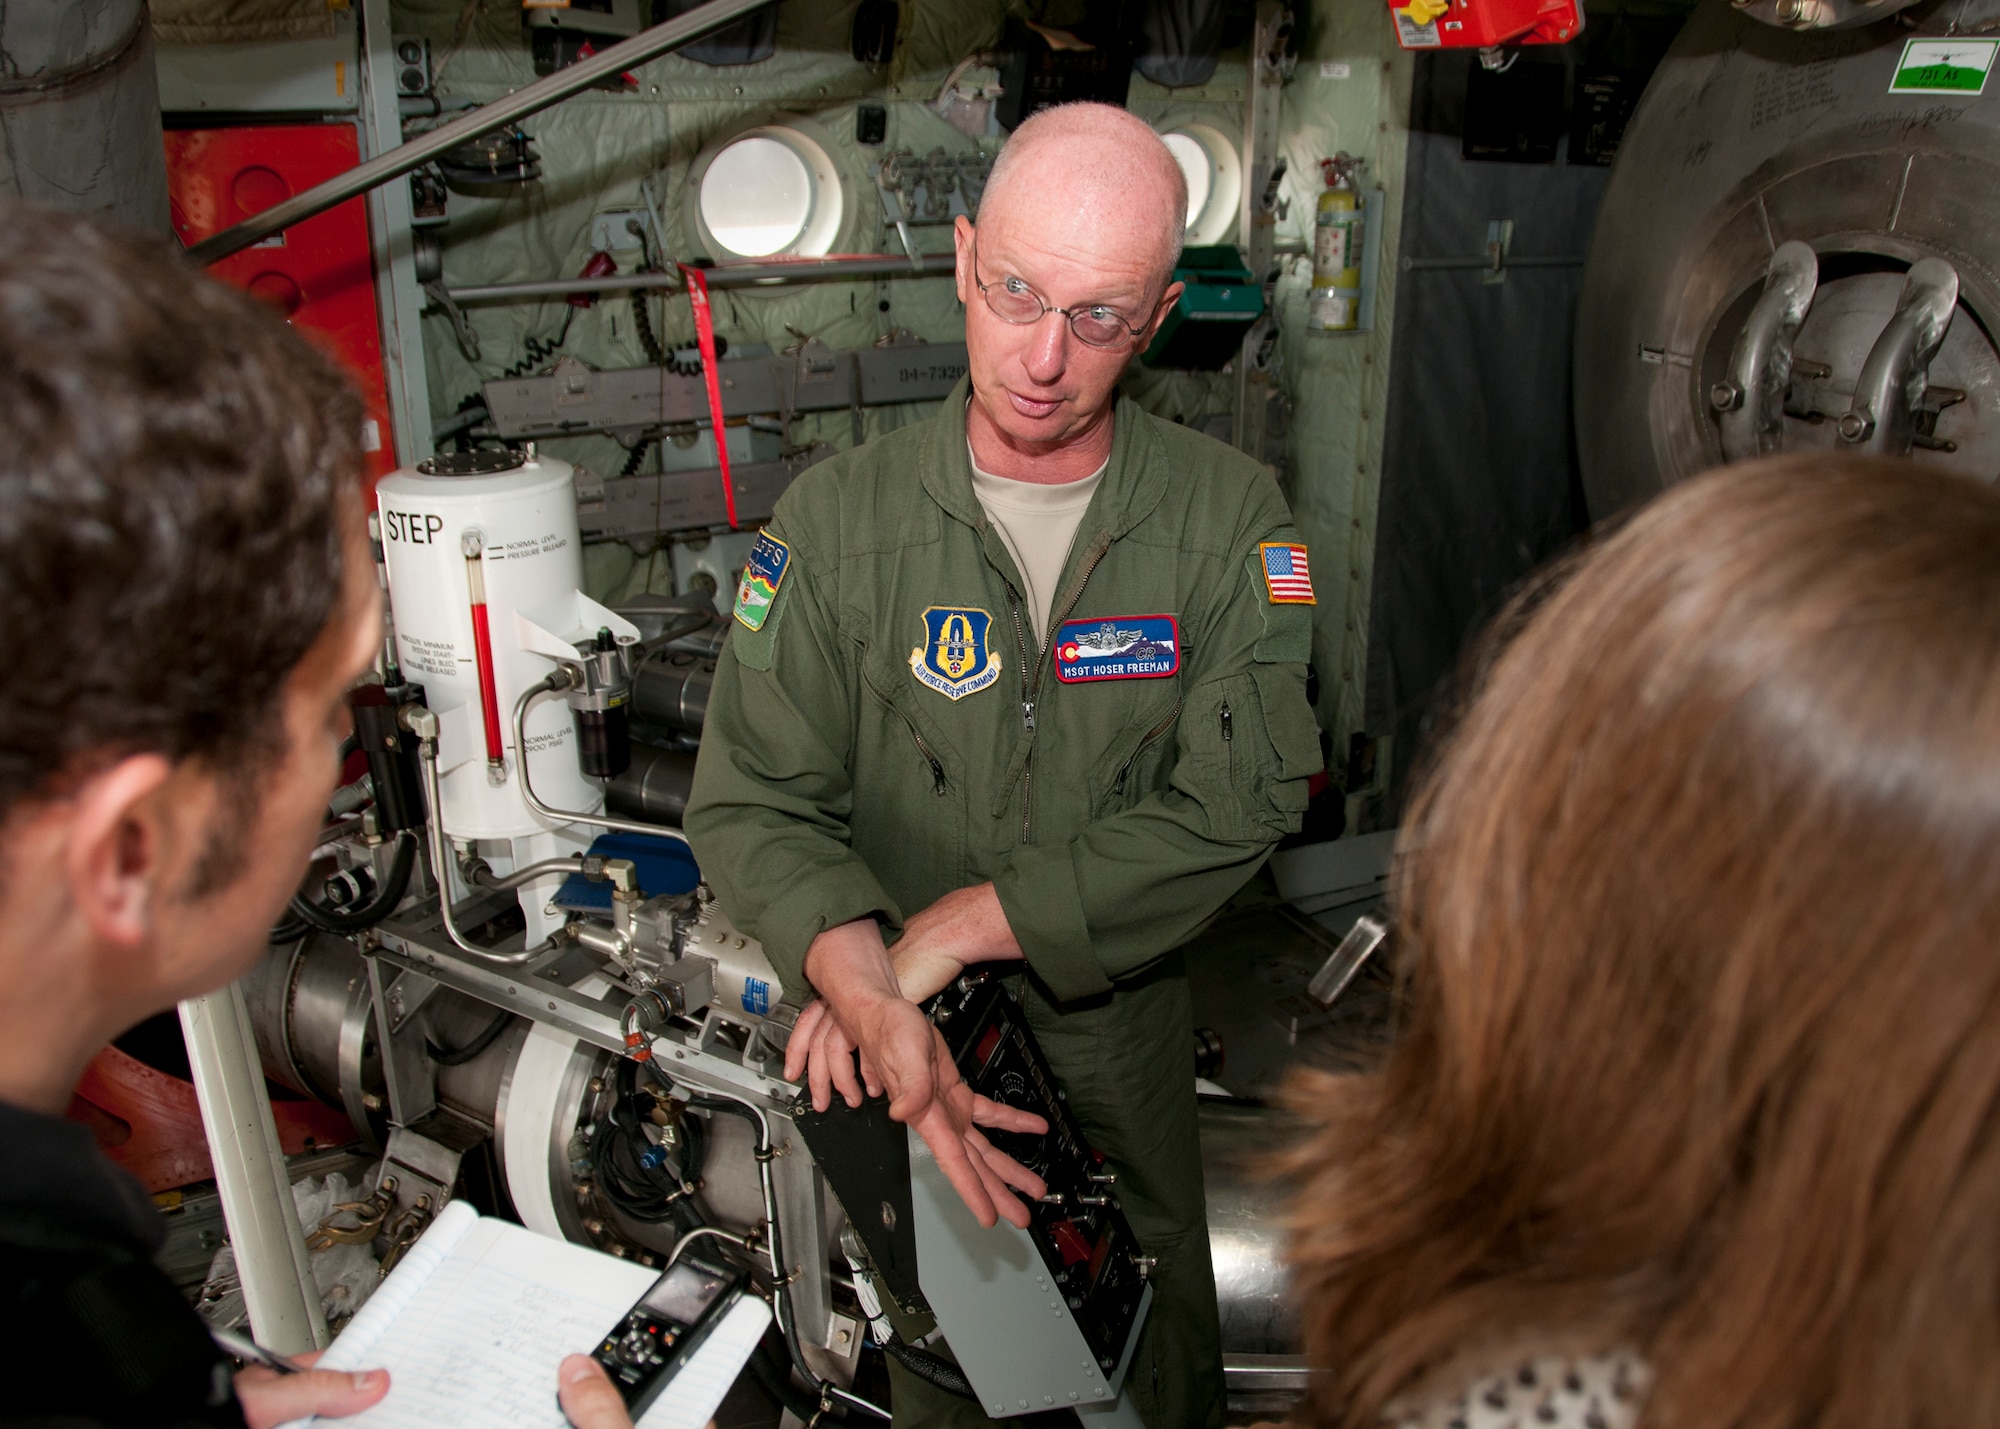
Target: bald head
[1080,166]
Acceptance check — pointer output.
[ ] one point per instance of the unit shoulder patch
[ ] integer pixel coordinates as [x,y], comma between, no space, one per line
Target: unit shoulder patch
[1287,575]
[1118,647]
[763,574]
[956,657]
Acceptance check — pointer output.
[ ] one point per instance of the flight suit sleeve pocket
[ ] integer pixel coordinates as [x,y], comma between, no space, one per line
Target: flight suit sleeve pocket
[1289,721]
[1256,744]
[1288,629]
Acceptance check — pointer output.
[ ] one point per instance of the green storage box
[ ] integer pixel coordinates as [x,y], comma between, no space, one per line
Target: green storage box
[1205,330]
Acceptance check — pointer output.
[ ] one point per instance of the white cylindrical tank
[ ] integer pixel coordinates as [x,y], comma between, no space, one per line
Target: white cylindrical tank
[524,515]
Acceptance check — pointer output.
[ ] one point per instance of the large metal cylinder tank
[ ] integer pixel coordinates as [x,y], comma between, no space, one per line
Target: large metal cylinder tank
[519,516]
[80,110]
[1750,137]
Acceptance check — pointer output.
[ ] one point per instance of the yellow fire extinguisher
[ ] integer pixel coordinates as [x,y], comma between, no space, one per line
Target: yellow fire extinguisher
[1335,305]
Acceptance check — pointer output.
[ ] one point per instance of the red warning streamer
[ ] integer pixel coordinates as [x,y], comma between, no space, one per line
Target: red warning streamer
[704,331]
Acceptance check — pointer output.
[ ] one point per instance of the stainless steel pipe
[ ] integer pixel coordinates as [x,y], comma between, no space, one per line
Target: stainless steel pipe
[529,99]
[734,275]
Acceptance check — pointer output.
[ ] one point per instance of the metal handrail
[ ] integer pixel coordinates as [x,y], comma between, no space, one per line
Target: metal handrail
[529,99]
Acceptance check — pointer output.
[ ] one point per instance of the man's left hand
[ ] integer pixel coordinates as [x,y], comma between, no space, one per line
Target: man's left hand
[270,1398]
[965,926]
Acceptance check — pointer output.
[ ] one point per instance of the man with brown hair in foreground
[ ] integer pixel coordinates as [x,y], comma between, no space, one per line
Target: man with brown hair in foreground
[185,596]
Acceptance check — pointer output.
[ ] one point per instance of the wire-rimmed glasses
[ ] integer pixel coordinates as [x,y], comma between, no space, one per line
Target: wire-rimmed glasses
[1013,301]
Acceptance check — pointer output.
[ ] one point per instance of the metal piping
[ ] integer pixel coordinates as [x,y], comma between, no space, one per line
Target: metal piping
[1751,400]
[441,860]
[1882,419]
[781,1298]
[733,275]
[529,99]
[569,816]
[506,883]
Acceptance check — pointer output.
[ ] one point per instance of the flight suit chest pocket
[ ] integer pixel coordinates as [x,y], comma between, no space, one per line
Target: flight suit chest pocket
[901,730]
[1139,757]
[1254,743]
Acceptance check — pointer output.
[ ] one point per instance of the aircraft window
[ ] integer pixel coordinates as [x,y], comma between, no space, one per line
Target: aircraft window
[1199,172]
[1214,180]
[757,196]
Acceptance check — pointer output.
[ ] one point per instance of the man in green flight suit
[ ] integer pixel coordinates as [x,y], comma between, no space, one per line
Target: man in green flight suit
[1024,683]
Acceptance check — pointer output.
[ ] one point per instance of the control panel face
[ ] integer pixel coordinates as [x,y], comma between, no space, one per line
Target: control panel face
[647,1348]
[1083,1236]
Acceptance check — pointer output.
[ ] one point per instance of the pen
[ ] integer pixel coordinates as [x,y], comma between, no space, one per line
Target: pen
[245,1348]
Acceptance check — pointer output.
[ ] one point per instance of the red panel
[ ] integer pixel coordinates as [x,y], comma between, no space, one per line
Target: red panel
[149,1123]
[319,273]
[1466,24]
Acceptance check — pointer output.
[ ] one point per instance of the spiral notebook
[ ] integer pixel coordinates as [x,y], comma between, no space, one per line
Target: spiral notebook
[473,1322]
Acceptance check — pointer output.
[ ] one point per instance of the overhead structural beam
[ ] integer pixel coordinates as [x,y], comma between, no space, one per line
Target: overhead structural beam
[529,99]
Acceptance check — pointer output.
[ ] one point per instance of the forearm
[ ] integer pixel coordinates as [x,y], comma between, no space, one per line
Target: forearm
[1122,893]
[962,928]
[850,968]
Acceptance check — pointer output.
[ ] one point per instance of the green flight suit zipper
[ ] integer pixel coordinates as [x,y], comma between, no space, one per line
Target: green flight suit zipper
[1152,734]
[1031,686]
[937,767]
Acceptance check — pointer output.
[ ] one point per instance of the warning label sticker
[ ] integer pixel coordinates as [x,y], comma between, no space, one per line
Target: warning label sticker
[1944,67]
[1413,36]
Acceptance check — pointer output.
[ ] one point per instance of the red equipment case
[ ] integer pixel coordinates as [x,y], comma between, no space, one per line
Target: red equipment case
[1483,24]
[320,273]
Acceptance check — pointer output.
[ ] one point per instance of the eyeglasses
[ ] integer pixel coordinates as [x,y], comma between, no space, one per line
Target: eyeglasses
[1013,301]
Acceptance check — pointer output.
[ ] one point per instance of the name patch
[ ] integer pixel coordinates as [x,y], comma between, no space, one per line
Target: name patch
[956,658]
[763,573]
[1123,647]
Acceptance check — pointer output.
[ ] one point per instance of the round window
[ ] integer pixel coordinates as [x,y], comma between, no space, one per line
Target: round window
[1196,169]
[1214,180]
[756,197]
[769,189]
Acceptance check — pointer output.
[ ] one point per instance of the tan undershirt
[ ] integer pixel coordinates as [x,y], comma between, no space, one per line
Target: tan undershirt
[1038,524]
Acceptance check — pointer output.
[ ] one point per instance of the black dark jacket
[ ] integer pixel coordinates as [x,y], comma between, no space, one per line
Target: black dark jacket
[91,1332]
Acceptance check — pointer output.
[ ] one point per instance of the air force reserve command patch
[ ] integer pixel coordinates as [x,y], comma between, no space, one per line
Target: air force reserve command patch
[1287,579]
[763,573]
[1124,647]
[956,658]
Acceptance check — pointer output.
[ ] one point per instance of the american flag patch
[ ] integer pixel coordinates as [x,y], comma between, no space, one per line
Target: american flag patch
[1286,576]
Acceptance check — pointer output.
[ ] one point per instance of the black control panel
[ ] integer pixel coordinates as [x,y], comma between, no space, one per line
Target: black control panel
[1083,1236]
[647,1348]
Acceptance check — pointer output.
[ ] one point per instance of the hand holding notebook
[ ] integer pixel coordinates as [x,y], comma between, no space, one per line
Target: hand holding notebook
[474,1322]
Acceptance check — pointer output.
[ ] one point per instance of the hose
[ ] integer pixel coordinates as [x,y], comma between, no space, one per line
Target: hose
[534,352]
[775,1380]
[642,322]
[445,1057]
[349,921]
[645,1193]
[932,1369]
[781,1300]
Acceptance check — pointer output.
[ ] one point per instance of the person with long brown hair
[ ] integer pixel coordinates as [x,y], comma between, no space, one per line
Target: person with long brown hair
[1693,1113]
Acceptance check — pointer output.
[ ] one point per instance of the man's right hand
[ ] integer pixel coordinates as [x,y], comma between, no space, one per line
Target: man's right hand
[862,1008]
